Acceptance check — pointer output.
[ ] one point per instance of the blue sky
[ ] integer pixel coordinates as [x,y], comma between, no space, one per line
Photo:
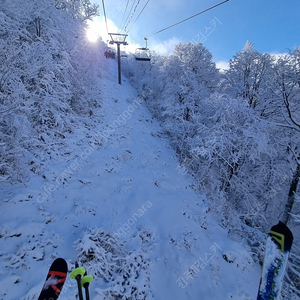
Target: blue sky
[273,26]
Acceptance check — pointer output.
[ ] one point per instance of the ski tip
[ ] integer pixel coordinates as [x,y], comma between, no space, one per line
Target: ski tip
[282,236]
[55,280]
[59,264]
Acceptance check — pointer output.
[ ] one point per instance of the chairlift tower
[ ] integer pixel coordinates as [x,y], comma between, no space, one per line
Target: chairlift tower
[119,39]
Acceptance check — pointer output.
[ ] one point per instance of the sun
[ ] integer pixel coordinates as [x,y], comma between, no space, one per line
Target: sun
[97,29]
[93,31]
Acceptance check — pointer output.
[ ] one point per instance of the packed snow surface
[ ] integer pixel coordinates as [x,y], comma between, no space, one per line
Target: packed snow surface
[117,174]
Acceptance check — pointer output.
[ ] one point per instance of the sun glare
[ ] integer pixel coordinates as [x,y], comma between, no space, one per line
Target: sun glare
[97,29]
[93,31]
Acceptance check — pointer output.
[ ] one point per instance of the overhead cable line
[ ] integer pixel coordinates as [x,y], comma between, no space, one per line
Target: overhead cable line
[129,14]
[120,26]
[132,15]
[187,19]
[105,15]
[138,15]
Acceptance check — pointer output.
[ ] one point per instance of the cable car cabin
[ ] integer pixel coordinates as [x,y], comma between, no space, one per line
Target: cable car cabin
[142,54]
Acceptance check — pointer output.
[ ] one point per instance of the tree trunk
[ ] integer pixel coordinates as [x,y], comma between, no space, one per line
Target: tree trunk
[291,197]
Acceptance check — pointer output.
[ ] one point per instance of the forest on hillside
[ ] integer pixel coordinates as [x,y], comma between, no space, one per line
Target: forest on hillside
[236,131]
[47,79]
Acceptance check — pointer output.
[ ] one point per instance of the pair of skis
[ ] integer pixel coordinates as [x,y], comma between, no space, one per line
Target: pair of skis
[278,246]
[56,278]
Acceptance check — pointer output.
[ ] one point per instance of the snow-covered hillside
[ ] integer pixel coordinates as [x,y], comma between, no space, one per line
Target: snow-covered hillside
[113,197]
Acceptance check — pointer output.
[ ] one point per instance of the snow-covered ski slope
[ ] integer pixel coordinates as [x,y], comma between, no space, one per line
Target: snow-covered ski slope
[121,176]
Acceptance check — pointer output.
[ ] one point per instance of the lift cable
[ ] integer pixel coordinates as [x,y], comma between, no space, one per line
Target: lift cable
[138,16]
[128,14]
[187,18]
[105,15]
[125,29]
[120,26]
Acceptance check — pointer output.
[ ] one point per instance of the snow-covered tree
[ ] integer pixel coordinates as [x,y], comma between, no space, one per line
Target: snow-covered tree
[247,75]
[236,133]
[123,274]
[234,156]
[43,73]
[80,9]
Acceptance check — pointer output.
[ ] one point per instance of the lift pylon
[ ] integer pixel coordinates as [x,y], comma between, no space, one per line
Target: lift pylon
[119,39]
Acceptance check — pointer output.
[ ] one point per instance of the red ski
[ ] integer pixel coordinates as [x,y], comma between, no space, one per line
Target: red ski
[55,280]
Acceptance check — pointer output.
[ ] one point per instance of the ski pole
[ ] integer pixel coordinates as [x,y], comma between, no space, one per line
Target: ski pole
[76,274]
[85,282]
